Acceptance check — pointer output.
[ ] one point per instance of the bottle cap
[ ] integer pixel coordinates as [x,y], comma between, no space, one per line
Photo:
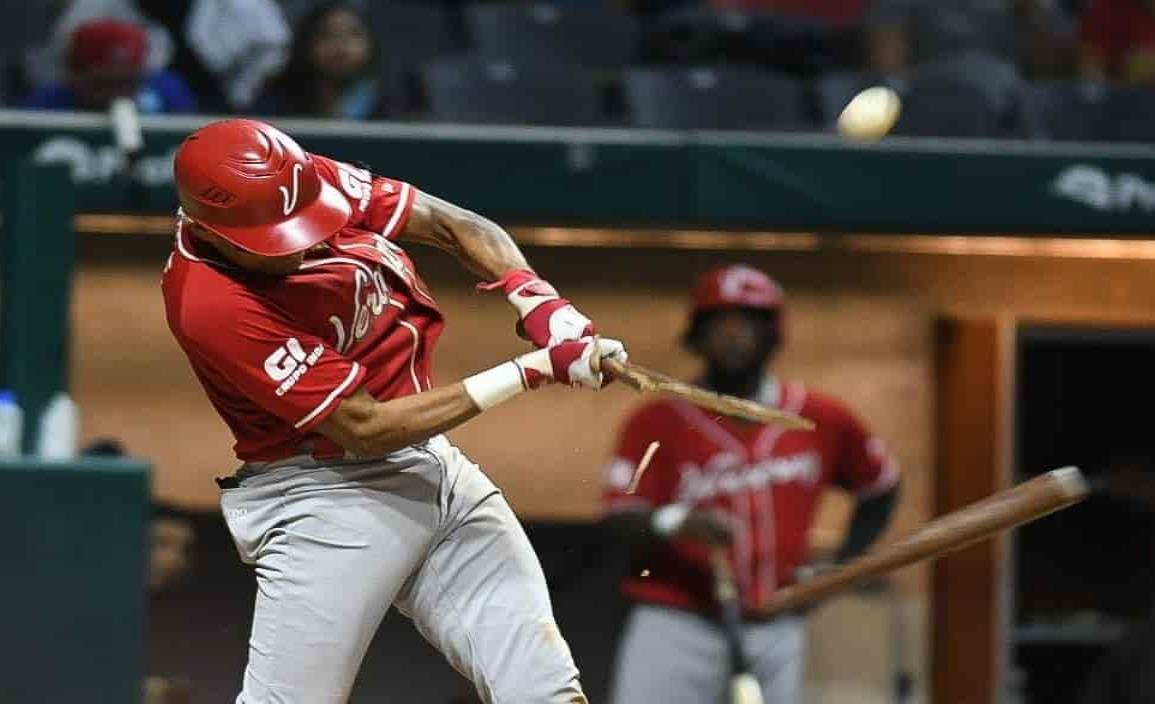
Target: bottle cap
[7,396]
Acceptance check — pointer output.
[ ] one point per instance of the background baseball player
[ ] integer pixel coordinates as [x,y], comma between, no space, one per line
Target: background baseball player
[717,481]
[312,334]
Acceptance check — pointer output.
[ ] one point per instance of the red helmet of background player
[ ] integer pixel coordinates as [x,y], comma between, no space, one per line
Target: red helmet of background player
[735,286]
[254,186]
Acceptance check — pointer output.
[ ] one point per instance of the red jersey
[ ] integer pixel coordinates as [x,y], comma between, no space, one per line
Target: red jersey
[276,355]
[766,478]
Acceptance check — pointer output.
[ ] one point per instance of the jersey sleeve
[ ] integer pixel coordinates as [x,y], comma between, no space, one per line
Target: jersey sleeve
[380,204]
[659,480]
[864,466]
[255,351]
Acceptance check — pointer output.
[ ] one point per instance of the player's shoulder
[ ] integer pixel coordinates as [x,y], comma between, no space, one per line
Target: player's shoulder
[812,403]
[653,416]
[202,300]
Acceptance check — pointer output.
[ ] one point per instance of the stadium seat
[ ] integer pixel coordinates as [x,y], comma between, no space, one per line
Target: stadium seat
[1064,110]
[1130,114]
[999,78]
[939,30]
[602,39]
[717,97]
[704,35]
[410,34]
[26,25]
[473,89]
[947,107]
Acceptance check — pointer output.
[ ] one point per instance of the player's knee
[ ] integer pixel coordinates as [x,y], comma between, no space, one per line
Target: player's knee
[544,693]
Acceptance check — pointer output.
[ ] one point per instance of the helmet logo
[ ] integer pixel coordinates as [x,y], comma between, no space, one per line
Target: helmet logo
[217,196]
[739,278]
[290,202]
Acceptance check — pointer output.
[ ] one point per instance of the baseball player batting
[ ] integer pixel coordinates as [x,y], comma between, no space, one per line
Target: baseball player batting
[312,334]
[722,483]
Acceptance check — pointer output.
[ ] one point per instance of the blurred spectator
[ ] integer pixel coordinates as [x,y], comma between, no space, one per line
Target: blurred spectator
[173,539]
[902,33]
[331,70]
[1117,40]
[225,49]
[106,60]
[49,64]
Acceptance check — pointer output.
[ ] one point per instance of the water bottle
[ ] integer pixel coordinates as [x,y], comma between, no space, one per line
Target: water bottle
[59,428]
[11,424]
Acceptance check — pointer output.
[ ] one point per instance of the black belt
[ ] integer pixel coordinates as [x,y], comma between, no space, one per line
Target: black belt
[230,482]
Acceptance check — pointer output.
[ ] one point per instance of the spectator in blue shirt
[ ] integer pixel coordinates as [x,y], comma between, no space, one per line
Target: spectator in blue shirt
[106,60]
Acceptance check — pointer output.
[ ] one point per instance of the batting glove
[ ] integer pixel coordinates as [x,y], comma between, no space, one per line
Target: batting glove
[570,363]
[545,318]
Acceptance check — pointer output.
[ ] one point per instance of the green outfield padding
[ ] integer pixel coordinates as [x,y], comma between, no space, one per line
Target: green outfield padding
[37,256]
[556,176]
[73,580]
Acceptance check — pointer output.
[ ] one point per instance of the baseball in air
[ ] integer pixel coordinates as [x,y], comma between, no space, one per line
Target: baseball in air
[870,115]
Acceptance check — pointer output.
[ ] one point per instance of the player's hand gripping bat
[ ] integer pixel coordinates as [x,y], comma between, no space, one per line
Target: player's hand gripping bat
[649,381]
[744,687]
[1003,511]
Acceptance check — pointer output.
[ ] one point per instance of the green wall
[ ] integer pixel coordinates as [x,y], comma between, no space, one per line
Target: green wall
[646,177]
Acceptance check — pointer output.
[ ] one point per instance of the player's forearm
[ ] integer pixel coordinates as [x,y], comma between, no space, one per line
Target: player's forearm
[370,428]
[480,244]
[870,519]
[367,427]
[486,249]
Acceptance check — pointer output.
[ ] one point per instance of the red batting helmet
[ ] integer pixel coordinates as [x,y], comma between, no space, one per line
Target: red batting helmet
[736,286]
[253,185]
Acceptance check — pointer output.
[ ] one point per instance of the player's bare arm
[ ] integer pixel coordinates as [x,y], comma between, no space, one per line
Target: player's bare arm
[370,428]
[481,245]
[486,249]
[367,427]
[868,523]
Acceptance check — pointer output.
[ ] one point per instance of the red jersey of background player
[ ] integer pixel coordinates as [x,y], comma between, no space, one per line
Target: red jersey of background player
[766,478]
[277,354]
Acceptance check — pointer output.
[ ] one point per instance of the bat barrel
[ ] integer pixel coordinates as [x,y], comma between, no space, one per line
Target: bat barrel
[1026,502]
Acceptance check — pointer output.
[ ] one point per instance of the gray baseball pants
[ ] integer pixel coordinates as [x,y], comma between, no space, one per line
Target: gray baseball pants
[678,657]
[423,529]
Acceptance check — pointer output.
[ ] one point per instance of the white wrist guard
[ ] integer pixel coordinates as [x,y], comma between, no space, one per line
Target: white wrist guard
[667,520]
[492,386]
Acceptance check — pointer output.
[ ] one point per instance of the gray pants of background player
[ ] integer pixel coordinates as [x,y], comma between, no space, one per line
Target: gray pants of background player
[423,529]
[678,657]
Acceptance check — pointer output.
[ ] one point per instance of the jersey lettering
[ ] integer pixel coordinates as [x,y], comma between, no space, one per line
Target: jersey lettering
[358,184]
[726,473]
[288,363]
[370,296]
